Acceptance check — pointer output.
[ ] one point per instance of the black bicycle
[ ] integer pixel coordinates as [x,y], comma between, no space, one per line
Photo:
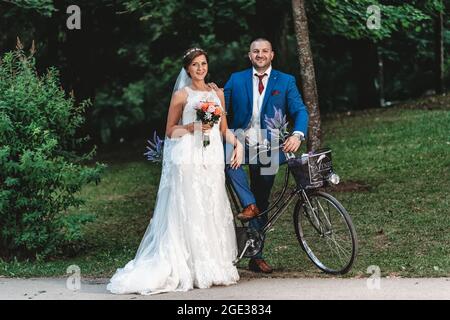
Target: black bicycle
[323,227]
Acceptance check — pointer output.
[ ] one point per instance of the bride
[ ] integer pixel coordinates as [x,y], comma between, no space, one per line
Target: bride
[190,241]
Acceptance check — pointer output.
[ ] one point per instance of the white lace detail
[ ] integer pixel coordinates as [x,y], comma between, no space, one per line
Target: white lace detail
[190,241]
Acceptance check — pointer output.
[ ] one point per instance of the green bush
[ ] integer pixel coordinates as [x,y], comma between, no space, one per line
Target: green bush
[40,174]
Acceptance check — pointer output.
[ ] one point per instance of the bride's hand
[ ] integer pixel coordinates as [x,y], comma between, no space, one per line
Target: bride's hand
[191,127]
[206,127]
[237,156]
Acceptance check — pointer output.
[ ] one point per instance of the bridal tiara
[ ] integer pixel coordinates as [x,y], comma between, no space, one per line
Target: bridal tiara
[192,50]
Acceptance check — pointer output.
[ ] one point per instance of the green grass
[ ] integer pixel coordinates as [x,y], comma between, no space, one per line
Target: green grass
[402,220]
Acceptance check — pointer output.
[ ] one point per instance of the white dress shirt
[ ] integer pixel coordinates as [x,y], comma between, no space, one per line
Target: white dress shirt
[253,132]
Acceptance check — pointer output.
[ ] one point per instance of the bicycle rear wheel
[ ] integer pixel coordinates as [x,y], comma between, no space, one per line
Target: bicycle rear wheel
[325,232]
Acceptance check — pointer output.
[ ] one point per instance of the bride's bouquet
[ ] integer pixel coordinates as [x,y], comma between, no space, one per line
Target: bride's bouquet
[208,113]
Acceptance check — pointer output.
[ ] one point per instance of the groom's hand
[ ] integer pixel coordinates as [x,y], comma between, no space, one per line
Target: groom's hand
[292,144]
[214,86]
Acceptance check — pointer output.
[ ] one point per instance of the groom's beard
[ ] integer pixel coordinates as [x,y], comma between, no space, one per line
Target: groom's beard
[263,68]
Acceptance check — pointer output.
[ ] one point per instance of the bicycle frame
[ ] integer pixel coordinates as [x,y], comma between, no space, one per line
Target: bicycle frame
[282,202]
[277,213]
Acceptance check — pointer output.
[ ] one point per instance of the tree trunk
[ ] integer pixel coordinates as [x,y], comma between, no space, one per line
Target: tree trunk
[439,53]
[308,77]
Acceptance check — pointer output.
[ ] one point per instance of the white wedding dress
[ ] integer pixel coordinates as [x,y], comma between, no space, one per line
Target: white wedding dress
[190,241]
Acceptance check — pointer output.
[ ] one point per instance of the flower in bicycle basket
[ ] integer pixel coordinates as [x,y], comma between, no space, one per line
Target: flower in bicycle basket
[155,149]
[277,125]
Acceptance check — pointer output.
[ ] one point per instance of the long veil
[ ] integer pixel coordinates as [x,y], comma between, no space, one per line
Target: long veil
[183,80]
[158,225]
[154,252]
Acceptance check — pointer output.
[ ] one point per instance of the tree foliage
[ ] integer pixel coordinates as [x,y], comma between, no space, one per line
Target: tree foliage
[40,175]
[348,19]
[128,52]
[44,7]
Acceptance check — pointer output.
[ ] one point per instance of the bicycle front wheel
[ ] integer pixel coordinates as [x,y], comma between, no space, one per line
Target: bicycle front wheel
[325,232]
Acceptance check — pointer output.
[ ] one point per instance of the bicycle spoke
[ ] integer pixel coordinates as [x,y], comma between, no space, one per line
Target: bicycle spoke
[335,249]
[323,212]
[339,247]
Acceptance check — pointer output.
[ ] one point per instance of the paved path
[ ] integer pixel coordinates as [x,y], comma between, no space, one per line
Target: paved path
[246,289]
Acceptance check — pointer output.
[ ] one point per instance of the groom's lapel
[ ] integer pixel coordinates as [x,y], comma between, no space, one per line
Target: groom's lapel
[270,84]
[249,87]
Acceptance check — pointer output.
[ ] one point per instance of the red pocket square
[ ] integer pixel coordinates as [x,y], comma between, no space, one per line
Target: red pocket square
[275,92]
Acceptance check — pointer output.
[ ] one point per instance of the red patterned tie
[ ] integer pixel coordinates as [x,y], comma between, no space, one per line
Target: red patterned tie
[260,85]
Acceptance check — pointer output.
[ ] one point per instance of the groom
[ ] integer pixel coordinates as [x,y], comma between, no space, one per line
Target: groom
[250,95]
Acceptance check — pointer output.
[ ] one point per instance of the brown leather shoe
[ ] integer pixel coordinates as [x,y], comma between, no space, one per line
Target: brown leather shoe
[259,265]
[248,213]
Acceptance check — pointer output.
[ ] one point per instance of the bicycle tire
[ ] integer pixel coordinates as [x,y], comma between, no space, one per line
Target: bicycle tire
[303,220]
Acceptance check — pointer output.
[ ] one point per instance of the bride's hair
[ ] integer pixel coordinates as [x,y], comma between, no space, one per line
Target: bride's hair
[191,54]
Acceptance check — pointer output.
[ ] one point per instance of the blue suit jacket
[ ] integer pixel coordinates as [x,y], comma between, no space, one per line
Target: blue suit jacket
[281,93]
